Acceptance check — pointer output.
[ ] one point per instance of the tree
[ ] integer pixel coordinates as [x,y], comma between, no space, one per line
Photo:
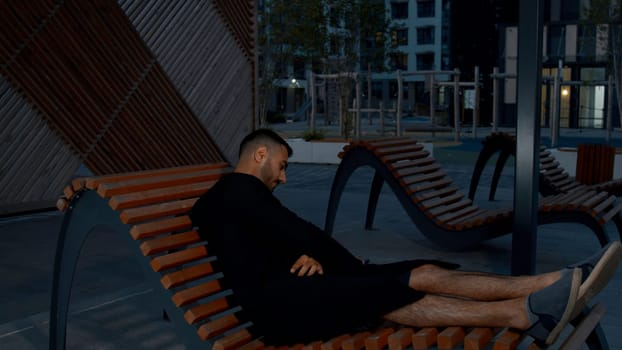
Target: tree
[331,36]
[605,14]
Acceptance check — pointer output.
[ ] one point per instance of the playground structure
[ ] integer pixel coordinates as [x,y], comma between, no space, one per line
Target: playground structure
[397,110]
[552,84]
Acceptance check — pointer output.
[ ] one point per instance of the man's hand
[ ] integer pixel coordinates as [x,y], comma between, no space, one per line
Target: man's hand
[306,265]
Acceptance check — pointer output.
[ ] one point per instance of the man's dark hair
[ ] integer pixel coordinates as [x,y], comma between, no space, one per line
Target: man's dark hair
[264,136]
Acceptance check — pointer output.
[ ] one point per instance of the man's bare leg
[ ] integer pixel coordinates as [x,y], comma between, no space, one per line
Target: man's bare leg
[440,311]
[543,314]
[476,285]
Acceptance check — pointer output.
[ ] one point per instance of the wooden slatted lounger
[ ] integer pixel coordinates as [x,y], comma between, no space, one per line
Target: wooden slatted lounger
[554,179]
[151,208]
[438,207]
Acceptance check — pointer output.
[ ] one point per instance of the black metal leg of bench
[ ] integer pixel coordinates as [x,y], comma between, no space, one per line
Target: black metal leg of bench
[503,157]
[77,224]
[480,163]
[374,194]
[345,169]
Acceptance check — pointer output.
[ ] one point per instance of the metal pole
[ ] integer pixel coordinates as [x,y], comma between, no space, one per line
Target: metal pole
[476,106]
[369,92]
[358,107]
[609,116]
[313,102]
[398,109]
[495,99]
[524,236]
[432,98]
[381,107]
[554,121]
[456,105]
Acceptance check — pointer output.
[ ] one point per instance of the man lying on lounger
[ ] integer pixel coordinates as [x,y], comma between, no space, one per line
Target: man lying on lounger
[298,285]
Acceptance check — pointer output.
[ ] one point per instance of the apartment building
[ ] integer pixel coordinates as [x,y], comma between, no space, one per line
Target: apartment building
[576,51]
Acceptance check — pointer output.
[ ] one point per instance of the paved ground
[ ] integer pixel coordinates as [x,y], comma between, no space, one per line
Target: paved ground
[112,307]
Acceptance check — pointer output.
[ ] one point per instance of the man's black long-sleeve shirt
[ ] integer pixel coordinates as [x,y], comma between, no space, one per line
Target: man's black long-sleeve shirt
[257,240]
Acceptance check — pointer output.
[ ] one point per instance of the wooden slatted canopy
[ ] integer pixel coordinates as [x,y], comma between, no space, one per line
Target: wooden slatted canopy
[119,86]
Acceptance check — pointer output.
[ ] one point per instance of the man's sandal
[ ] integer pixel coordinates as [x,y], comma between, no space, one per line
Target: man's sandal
[550,309]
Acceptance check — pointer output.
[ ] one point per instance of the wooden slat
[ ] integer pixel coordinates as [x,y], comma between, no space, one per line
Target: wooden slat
[424,338]
[334,343]
[385,142]
[192,294]
[393,158]
[68,192]
[233,341]
[218,326]
[401,339]
[564,182]
[430,185]
[379,339]
[253,345]
[443,191]
[411,180]
[547,166]
[449,208]
[450,337]
[408,148]
[445,218]
[508,340]
[478,339]
[78,183]
[150,229]
[559,177]
[610,214]
[136,199]
[188,274]
[485,217]
[168,261]
[572,186]
[433,166]
[135,215]
[93,182]
[203,311]
[418,159]
[459,220]
[552,172]
[175,241]
[316,345]
[432,203]
[578,201]
[602,205]
[110,189]
[356,342]
[595,199]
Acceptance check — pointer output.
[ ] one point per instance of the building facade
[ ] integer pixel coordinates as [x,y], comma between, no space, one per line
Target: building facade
[576,51]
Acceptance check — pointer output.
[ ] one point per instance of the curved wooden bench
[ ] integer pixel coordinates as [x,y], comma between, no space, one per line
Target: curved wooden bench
[151,208]
[439,209]
[554,179]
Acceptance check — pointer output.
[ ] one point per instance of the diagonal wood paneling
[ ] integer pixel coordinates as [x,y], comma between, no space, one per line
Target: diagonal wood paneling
[240,18]
[204,58]
[82,64]
[34,163]
[137,84]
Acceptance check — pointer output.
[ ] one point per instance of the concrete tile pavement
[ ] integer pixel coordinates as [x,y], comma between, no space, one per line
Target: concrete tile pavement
[112,308]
